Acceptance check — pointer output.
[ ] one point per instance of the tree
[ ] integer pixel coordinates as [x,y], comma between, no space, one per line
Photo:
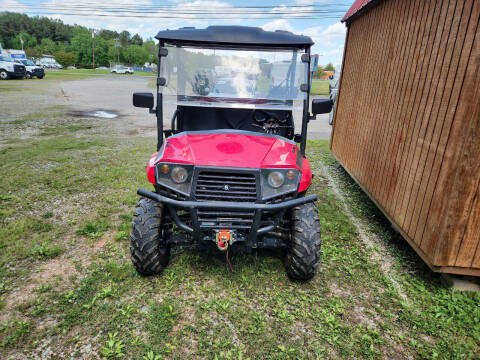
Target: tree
[329,67]
[81,46]
[151,48]
[136,40]
[28,41]
[108,34]
[65,58]
[47,46]
[124,38]
[136,55]
[319,73]
[33,53]
[114,51]
[101,51]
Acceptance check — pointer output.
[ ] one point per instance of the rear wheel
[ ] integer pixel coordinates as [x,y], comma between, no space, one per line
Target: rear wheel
[28,75]
[3,75]
[149,248]
[303,253]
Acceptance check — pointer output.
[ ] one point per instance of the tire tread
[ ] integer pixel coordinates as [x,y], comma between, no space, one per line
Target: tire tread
[149,252]
[303,255]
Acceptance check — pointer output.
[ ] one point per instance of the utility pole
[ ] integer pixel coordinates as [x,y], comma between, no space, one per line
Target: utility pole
[93,49]
[21,40]
[118,50]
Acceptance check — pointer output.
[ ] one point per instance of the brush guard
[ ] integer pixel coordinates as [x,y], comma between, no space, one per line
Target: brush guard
[277,210]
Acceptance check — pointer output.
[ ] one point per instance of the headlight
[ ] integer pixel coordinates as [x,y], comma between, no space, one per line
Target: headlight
[179,174]
[278,182]
[275,179]
[176,177]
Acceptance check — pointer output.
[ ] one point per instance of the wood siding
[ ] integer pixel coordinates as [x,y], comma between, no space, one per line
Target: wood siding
[407,122]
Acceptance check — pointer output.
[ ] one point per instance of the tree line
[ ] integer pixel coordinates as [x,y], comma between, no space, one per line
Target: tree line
[73,44]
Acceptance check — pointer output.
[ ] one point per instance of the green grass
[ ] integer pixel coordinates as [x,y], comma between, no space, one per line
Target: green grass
[68,200]
[320,87]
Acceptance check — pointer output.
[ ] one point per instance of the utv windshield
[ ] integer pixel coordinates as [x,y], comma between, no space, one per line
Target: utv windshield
[233,78]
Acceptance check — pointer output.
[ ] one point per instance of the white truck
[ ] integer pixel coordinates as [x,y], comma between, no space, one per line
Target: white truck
[48,61]
[10,69]
[32,70]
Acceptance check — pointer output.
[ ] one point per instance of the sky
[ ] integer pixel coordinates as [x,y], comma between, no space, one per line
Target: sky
[323,25]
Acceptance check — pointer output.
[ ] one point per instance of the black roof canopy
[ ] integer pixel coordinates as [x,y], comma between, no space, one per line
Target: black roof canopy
[234,36]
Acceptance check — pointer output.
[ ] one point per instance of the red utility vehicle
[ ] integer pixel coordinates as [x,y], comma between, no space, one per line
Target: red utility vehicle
[229,171]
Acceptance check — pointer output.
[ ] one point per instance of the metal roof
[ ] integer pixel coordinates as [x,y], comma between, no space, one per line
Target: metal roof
[234,36]
[358,7]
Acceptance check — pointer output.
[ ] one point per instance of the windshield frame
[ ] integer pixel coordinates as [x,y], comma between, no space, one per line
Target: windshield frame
[162,52]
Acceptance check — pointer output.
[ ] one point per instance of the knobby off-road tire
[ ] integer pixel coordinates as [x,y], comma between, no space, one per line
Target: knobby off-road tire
[303,253]
[149,251]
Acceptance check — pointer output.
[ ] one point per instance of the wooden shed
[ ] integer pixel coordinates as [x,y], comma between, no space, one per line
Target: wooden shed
[407,122]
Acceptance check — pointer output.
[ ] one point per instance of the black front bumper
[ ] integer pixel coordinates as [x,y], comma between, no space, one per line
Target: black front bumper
[38,72]
[278,209]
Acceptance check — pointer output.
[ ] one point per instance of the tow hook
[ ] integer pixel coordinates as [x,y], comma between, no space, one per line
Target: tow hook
[223,239]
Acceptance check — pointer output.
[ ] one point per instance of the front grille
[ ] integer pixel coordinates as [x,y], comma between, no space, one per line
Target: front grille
[221,219]
[221,186]
[217,186]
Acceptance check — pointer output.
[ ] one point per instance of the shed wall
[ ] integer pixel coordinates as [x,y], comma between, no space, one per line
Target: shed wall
[407,122]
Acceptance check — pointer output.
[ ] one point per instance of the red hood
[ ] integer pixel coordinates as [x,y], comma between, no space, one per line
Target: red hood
[232,148]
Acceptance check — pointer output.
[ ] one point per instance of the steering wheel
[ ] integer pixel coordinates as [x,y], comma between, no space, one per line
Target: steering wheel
[268,121]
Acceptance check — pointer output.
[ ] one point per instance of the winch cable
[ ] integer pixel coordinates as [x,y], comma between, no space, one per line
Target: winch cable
[228,261]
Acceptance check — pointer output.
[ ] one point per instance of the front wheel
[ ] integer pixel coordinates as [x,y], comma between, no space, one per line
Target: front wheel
[40,77]
[149,248]
[303,253]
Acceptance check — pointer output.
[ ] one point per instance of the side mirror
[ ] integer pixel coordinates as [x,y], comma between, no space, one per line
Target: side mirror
[143,100]
[321,106]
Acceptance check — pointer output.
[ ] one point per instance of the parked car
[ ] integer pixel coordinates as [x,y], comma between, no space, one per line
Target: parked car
[334,83]
[32,70]
[10,69]
[120,69]
[101,68]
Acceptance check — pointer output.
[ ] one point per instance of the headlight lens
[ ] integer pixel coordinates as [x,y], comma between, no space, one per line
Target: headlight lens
[179,175]
[276,179]
[176,177]
[278,182]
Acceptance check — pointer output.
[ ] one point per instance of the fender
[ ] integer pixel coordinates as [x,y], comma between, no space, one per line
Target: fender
[306,179]
[150,169]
